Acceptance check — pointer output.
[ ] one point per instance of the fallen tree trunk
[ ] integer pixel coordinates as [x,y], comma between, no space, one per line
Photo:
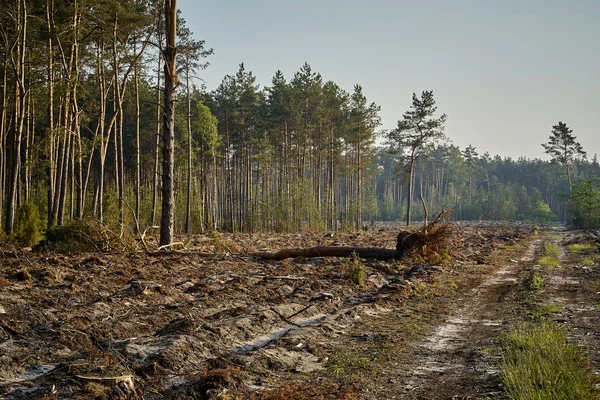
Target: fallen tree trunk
[327,251]
[432,238]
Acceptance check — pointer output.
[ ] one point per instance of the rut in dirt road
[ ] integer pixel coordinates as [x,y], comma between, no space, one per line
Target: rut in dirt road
[448,363]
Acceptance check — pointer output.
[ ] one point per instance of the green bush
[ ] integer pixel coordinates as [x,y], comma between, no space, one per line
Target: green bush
[584,204]
[26,229]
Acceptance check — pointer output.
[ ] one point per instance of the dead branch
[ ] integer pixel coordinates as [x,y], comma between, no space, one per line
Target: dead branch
[127,380]
[200,254]
[143,235]
[289,278]
[170,246]
[425,214]
[442,215]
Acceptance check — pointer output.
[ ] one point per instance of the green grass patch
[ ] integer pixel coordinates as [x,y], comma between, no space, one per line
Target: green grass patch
[551,249]
[544,310]
[548,260]
[346,364]
[587,261]
[579,247]
[539,363]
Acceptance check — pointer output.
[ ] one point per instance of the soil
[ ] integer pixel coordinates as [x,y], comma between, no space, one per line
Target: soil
[140,325]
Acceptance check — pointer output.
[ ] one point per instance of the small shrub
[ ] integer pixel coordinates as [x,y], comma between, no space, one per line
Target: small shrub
[441,257]
[534,281]
[218,242]
[26,229]
[356,270]
[80,236]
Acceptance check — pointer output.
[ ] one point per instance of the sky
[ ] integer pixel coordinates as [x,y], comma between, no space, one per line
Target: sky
[503,71]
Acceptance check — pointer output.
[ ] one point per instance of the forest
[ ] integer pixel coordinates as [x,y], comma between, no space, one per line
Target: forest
[160,239]
[81,125]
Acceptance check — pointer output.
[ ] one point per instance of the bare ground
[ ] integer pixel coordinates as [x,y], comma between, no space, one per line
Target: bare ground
[139,325]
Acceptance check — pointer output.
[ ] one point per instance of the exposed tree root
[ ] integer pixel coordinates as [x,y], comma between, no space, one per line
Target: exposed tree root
[432,238]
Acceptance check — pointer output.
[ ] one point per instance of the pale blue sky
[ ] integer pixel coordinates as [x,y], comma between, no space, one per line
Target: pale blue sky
[504,71]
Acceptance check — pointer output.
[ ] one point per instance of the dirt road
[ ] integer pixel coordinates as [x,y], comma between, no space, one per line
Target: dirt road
[452,362]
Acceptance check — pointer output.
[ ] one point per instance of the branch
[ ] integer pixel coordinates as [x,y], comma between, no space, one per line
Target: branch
[426,214]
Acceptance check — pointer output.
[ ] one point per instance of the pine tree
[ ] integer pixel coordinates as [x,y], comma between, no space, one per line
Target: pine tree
[563,148]
[417,129]
[168,184]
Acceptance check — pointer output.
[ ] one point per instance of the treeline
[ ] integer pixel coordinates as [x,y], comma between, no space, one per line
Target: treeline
[481,187]
[81,120]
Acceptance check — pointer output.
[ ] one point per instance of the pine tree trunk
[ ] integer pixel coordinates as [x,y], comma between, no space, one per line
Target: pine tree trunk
[168,200]
[51,168]
[411,173]
[569,178]
[19,115]
[188,205]
[137,144]
[118,105]
[156,146]
[27,150]
[103,140]
[60,212]
[77,156]
[3,133]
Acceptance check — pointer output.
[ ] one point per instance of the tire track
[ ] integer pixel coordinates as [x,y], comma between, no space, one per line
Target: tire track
[448,361]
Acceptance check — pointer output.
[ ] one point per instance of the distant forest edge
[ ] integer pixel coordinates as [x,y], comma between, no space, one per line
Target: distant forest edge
[81,120]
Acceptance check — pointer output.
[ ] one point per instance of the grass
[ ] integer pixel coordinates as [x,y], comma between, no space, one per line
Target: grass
[539,363]
[345,364]
[587,261]
[579,247]
[544,310]
[551,249]
[548,260]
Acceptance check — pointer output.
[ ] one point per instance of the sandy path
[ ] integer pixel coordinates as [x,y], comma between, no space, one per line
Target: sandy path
[450,363]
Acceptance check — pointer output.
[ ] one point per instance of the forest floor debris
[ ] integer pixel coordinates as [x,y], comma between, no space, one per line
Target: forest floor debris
[132,325]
